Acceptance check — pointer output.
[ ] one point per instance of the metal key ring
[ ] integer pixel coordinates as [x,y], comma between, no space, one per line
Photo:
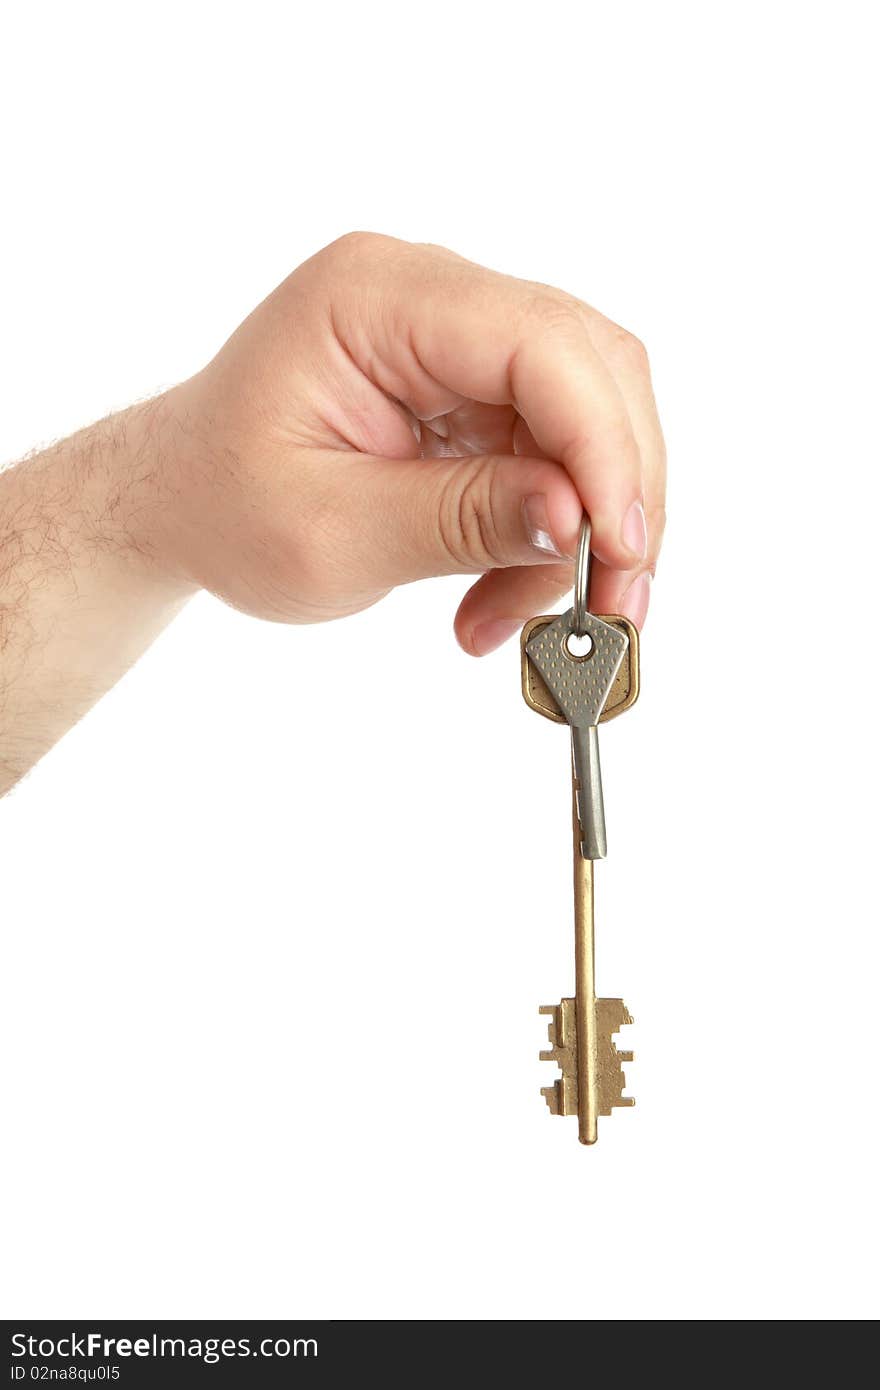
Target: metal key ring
[582,567]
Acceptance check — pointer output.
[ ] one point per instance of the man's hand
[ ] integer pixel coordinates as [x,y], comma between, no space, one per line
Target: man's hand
[390,412]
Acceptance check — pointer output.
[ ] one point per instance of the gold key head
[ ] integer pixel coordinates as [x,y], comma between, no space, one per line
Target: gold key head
[624,692]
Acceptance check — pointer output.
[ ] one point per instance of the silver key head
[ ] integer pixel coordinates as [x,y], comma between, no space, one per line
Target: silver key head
[580,685]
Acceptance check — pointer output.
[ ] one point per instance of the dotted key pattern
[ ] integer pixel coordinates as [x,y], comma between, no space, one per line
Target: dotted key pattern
[580,685]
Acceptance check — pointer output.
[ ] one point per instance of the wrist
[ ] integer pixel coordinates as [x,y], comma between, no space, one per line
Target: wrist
[127,468]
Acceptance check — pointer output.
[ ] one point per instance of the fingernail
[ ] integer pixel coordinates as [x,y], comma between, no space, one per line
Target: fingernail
[634,604]
[487,636]
[634,531]
[537,524]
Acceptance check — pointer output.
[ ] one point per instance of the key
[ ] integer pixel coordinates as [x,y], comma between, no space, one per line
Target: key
[564,686]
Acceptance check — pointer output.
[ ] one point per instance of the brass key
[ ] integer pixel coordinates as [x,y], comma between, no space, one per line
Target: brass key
[581,1030]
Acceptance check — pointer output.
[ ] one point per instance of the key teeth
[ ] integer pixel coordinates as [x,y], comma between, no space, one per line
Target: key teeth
[550,1093]
[561,1097]
[611,1016]
[560,1029]
[552,1011]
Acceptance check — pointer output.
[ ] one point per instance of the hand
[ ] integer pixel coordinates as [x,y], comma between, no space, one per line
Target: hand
[390,412]
[393,411]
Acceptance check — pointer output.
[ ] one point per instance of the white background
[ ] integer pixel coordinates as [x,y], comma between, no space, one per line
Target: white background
[277,917]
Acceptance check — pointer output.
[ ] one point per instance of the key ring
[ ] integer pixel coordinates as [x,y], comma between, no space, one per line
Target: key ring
[582,567]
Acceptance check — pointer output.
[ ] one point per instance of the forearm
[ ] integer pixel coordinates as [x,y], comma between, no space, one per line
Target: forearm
[82,594]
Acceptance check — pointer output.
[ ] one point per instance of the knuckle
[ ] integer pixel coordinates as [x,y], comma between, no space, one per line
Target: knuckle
[357,245]
[617,344]
[437,252]
[636,351]
[467,519]
[630,349]
[554,310]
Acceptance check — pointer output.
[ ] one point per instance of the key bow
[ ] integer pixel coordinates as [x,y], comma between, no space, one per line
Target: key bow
[580,692]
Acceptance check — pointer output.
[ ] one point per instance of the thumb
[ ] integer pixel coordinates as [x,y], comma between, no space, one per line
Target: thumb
[410,519]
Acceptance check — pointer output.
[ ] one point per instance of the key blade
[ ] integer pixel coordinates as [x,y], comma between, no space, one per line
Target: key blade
[589,803]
